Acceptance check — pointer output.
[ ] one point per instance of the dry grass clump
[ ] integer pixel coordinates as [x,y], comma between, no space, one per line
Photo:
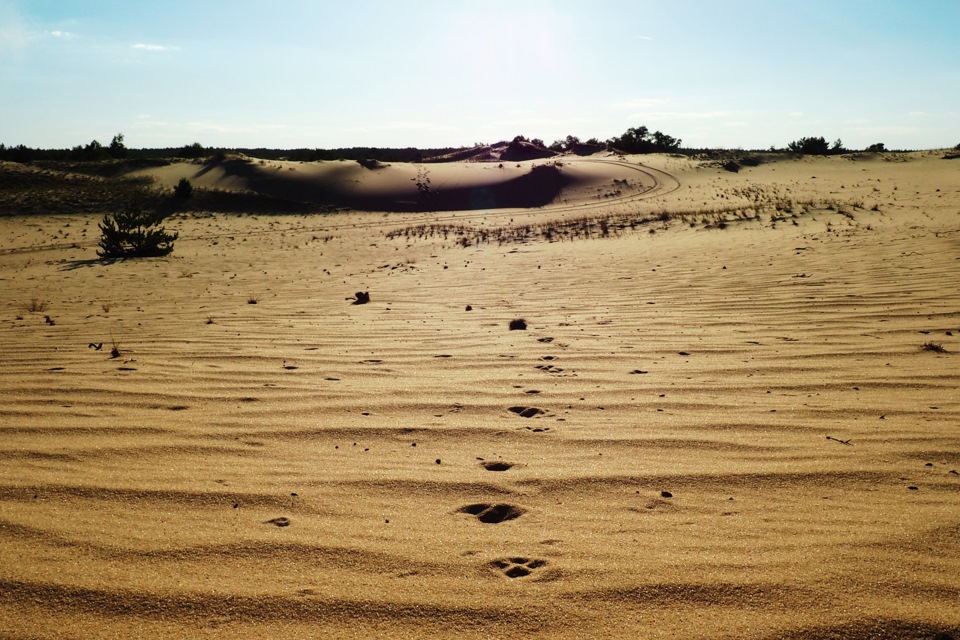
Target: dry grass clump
[36,305]
[114,348]
[746,204]
[934,347]
[580,228]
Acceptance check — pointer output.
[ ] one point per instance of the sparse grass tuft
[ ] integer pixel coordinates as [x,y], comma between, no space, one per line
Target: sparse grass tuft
[750,204]
[35,305]
[114,348]
[933,346]
[253,299]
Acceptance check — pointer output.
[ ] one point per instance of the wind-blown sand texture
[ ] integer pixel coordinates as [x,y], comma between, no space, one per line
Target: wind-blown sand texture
[715,425]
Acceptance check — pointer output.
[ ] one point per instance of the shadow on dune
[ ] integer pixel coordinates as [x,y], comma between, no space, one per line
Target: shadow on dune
[279,191]
[537,188]
[892,629]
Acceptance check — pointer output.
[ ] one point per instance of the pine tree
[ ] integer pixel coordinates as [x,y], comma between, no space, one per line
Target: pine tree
[134,232]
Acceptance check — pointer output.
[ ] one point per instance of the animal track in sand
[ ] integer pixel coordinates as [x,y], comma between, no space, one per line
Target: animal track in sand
[279,522]
[549,368]
[526,412]
[493,513]
[516,567]
[496,465]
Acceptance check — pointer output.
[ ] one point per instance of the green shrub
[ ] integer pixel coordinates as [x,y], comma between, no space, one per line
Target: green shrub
[810,146]
[184,189]
[134,232]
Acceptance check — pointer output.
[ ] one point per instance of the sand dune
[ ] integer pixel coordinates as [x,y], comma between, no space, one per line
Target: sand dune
[720,421]
[376,186]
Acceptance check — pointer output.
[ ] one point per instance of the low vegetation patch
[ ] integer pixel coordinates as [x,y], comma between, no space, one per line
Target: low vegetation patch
[134,232]
[184,189]
[764,204]
[36,305]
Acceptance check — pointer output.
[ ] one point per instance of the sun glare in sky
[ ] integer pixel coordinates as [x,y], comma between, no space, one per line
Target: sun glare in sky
[746,73]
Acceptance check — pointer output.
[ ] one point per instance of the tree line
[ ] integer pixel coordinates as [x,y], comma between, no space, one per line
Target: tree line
[117,150]
[634,140]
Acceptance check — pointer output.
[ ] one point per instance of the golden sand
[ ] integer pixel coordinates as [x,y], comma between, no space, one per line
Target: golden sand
[723,428]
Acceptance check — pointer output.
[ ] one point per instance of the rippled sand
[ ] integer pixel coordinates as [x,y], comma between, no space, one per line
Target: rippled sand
[702,432]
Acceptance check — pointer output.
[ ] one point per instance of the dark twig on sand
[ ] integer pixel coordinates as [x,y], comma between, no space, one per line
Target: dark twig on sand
[846,442]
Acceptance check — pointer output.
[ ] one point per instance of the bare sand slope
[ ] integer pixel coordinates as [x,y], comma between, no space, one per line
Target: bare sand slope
[376,186]
[726,428]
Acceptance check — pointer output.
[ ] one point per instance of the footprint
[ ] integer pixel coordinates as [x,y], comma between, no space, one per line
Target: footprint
[496,465]
[517,567]
[526,412]
[549,368]
[493,513]
[279,522]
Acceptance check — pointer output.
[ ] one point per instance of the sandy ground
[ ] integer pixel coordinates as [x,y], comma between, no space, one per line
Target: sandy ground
[714,425]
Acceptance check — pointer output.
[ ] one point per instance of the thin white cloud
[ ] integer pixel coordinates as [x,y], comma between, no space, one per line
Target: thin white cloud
[146,123]
[683,115]
[13,36]
[644,38]
[153,47]
[407,124]
[894,129]
[402,125]
[640,103]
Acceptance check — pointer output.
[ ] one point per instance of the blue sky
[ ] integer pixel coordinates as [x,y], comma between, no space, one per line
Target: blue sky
[288,73]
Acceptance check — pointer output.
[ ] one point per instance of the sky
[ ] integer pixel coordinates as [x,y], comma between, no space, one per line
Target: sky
[748,74]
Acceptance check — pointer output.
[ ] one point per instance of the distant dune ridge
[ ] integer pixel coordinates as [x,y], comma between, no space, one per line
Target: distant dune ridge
[379,186]
[722,419]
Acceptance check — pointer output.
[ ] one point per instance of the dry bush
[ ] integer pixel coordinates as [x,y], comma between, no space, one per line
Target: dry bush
[36,305]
